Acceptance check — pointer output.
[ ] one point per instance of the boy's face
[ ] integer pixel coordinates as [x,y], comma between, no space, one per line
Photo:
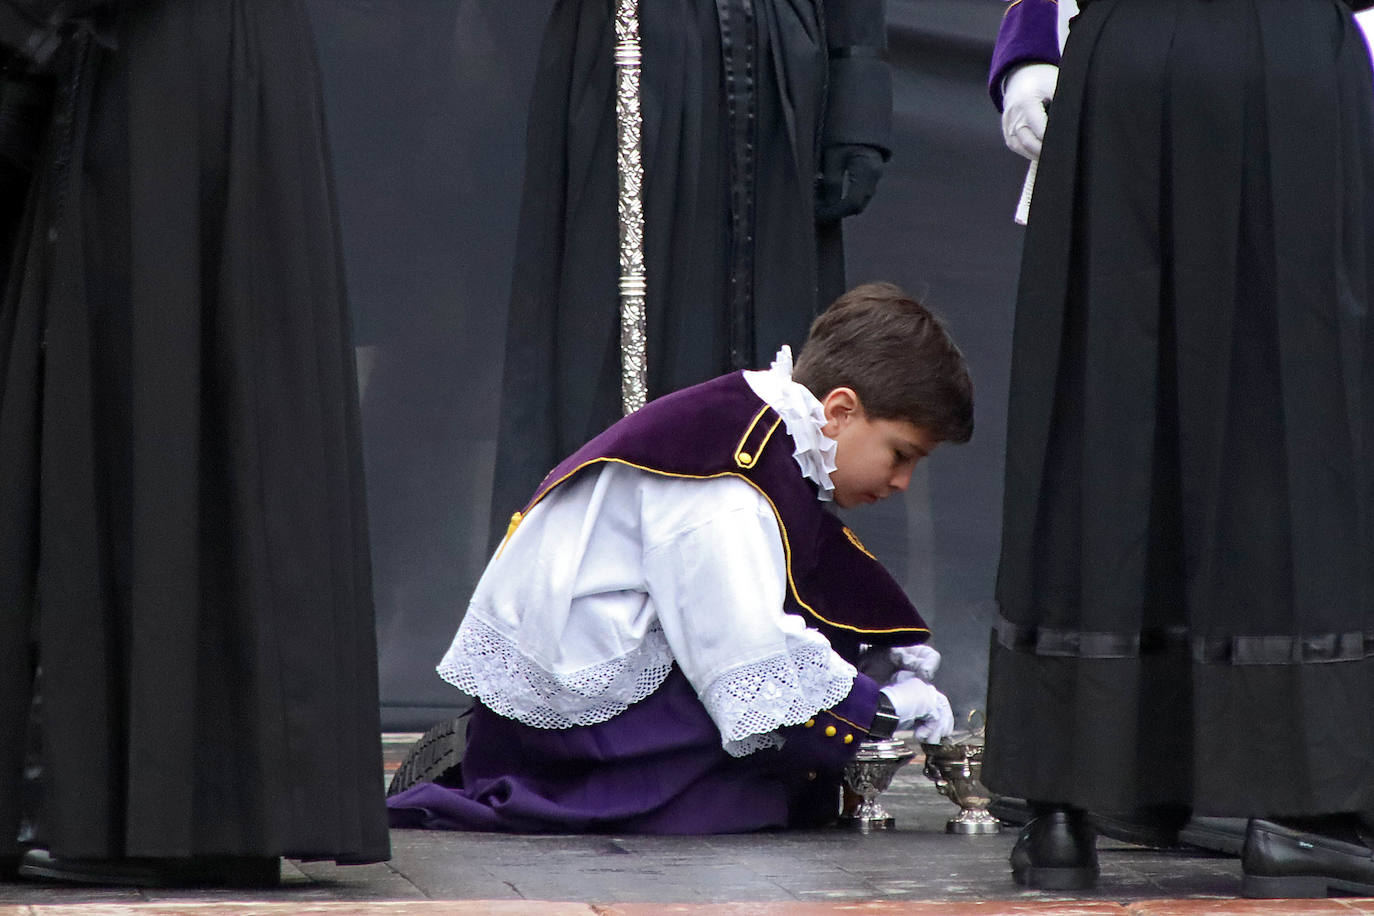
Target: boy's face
[873,458]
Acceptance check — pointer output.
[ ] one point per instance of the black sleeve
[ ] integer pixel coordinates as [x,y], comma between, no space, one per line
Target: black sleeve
[859,100]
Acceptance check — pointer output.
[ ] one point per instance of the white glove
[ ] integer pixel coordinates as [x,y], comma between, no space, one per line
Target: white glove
[920,704]
[922,661]
[1026,96]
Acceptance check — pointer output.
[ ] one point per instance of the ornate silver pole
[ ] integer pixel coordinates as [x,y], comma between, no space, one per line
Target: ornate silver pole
[634,382]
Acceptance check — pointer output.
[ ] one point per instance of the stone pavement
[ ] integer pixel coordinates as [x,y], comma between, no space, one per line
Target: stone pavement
[917,869]
[557,908]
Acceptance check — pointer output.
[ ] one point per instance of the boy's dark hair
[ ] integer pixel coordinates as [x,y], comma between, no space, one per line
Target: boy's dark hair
[896,355]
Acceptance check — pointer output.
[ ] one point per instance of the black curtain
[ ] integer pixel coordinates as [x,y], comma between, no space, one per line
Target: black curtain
[426,102]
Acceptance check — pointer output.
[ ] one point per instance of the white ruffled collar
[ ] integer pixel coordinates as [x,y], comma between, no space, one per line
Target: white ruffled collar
[803,417]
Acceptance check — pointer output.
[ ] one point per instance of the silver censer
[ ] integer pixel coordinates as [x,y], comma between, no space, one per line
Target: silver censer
[955,767]
[869,773]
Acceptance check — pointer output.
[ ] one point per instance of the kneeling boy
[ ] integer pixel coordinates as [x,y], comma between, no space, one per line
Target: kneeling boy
[666,640]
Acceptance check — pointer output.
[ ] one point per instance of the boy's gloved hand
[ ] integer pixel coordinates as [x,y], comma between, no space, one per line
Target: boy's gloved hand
[1026,97]
[922,661]
[920,704]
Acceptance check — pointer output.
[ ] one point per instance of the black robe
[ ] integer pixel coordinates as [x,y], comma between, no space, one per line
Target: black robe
[736,110]
[1187,578]
[182,523]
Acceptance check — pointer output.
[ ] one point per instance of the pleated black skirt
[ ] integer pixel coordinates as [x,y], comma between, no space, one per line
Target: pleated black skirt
[1186,587]
[182,523]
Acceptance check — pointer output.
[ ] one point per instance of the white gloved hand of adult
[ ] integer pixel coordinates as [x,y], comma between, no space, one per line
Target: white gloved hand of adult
[1026,96]
[923,661]
[919,704]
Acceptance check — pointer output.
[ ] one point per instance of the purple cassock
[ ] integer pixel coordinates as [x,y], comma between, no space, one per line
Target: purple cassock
[659,767]
[1029,34]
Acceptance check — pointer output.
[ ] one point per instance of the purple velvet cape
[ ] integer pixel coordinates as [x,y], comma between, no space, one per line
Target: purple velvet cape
[1029,34]
[659,766]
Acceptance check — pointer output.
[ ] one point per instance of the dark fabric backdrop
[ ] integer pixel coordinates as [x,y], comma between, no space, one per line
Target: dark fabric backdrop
[426,103]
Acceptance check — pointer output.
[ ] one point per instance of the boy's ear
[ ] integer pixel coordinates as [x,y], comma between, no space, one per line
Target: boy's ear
[840,406]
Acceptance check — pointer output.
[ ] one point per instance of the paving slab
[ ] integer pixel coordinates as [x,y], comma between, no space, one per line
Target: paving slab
[917,861]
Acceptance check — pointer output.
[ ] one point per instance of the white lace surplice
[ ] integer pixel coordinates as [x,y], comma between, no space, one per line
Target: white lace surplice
[621,572]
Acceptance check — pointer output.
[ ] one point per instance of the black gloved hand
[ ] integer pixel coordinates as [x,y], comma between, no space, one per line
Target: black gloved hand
[849,176]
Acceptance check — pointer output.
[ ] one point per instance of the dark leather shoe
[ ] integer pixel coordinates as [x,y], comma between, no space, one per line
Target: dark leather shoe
[1056,851]
[198,871]
[1280,861]
[1156,827]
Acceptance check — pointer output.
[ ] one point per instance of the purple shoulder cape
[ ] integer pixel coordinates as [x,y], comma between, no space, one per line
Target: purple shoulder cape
[722,427]
[1029,34]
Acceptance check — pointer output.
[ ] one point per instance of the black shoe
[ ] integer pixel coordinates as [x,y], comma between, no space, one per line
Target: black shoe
[1218,834]
[1056,851]
[434,757]
[1157,827]
[199,871]
[1279,861]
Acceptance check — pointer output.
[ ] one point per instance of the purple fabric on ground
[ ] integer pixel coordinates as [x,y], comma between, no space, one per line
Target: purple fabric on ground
[658,767]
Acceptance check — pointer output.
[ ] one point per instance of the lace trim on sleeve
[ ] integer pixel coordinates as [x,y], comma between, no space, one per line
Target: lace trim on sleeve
[483,663]
[751,702]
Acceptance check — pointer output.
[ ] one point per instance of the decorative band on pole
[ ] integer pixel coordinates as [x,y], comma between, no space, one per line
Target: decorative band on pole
[634,380]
